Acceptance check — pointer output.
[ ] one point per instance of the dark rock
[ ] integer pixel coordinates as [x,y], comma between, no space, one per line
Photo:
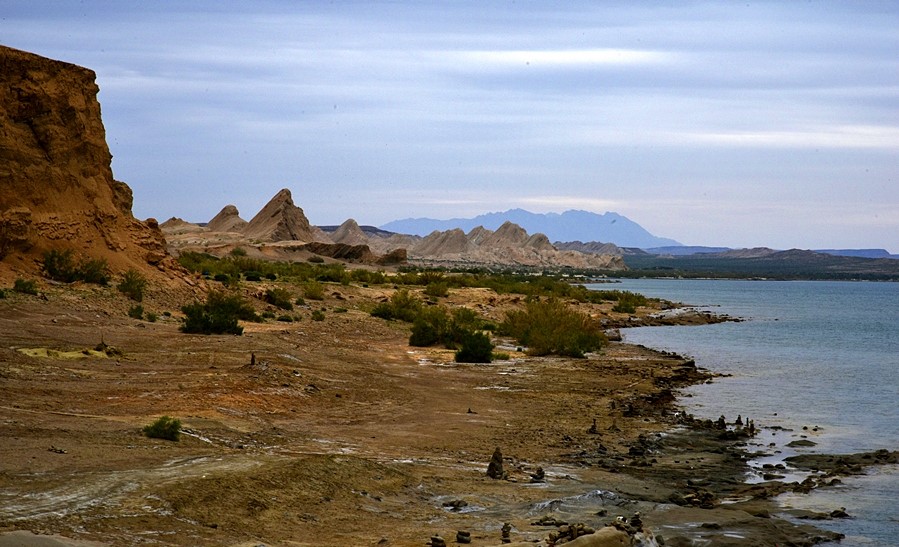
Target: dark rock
[495,467]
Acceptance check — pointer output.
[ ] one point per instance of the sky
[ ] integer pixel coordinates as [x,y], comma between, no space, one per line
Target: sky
[740,124]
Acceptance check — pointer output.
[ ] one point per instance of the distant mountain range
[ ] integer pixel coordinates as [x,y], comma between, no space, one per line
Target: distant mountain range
[571,225]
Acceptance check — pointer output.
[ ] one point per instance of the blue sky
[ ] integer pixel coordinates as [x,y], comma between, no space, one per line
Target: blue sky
[714,123]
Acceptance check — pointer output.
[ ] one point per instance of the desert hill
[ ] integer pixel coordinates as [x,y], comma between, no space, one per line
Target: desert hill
[227,220]
[510,245]
[280,220]
[57,190]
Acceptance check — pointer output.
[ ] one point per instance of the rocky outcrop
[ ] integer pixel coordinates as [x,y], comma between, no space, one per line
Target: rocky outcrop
[227,220]
[57,189]
[591,247]
[510,245]
[280,220]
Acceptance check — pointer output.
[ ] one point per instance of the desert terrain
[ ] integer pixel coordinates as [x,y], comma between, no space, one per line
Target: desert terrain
[337,432]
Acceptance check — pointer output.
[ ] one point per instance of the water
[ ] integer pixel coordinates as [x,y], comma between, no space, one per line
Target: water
[812,354]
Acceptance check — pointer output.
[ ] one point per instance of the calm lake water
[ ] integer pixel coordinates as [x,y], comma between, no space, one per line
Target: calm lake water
[811,354]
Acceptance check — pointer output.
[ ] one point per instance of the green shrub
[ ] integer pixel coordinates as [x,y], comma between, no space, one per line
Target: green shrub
[551,327]
[285,318]
[238,252]
[25,286]
[299,301]
[313,290]
[279,298]
[437,290]
[136,312]
[475,348]
[165,427]
[430,327]
[252,276]
[268,314]
[61,266]
[315,259]
[628,302]
[318,315]
[218,315]
[403,306]
[94,270]
[151,317]
[2,293]
[132,285]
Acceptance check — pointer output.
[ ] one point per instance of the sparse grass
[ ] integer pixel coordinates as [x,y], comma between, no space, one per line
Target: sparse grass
[25,286]
[165,427]
[437,290]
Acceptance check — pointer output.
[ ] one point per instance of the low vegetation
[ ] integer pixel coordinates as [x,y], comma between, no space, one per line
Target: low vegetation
[280,298]
[25,286]
[62,266]
[165,427]
[218,315]
[551,327]
[132,285]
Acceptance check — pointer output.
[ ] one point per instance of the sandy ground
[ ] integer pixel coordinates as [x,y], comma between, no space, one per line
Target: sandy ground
[336,432]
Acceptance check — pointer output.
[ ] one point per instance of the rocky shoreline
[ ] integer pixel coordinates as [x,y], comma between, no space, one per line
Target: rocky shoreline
[336,432]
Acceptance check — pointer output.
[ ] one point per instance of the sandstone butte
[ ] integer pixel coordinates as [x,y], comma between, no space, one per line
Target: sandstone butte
[314,432]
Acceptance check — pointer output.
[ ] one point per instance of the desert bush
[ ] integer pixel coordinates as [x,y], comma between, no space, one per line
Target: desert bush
[437,289]
[253,276]
[551,327]
[2,293]
[628,302]
[136,312]
[313,290]
[25,286]
[300,301]
[430,326]
[403,306]
[475,348]
[218,315]
[238,251]
[318,315]
[315,259]
[165,427]
[61,266]
[268,314]
[132,285]
[285,318]
[279,298]
[152,317]
[94,270]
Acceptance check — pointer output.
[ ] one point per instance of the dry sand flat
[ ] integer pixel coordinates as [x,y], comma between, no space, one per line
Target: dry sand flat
[334,432]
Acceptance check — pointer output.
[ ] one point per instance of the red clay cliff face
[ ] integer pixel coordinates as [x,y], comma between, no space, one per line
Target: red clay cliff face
[56,185]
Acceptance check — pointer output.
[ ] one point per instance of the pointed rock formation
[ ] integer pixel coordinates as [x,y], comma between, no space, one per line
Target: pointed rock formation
[350,233]
[57,190]
[280,220]
[227,220]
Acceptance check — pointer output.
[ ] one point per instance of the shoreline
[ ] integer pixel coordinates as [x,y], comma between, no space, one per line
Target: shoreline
[340,433]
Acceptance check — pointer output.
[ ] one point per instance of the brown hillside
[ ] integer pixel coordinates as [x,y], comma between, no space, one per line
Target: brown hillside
[56,184]
[350,233]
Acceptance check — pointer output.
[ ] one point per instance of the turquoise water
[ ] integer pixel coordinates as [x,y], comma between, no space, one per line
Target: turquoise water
[811,354]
